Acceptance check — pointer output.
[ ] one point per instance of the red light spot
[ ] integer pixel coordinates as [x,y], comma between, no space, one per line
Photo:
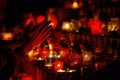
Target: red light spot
[80,4]
[39,19]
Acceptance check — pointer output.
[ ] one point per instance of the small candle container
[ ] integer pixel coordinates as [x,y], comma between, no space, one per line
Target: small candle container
[58,66]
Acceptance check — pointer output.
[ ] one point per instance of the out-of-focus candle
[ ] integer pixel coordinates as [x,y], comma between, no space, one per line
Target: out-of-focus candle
[7,36]
[75,5]
[44,53]
[60,70]
[58,65]
[64,52]
[51,46]
[87,56]
[66,26]
[95,26]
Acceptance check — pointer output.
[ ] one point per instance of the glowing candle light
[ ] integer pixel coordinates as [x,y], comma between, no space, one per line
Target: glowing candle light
[51,46]
[95,26]
[75,5]
[7,36]
[58,65]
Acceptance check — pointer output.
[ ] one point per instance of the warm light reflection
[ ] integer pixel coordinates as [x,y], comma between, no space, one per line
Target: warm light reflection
[60,70]
[70,71]
[87,56]
[51,54]
[51,46]
[30,54]
[7,36]
[66,26]
[40,58]
[49,65]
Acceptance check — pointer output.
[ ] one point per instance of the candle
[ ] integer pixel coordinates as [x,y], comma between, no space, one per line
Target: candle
[60,70]
[7,35]
[58,65]
[95,26]
[87,56]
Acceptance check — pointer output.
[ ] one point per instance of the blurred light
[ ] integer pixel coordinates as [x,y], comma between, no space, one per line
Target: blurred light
[7,36]
[51,46]
[66,26]
[58,65]
[40,19]
[30,54]
[75,5]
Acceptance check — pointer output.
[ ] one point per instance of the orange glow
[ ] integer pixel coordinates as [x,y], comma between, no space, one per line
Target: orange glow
[75,5]
[30,55]
[51,46]
[66,26]
[7,36]
[64,52]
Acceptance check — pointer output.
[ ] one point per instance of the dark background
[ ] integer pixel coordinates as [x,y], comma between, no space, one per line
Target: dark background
[16,8]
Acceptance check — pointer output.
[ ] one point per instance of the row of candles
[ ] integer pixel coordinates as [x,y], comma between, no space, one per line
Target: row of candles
[61,60]
[96,26]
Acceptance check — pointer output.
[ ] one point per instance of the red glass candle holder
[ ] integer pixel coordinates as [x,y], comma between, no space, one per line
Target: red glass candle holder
[58,65]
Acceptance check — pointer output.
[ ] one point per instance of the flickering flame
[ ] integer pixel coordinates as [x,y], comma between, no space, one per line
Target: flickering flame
[7,36]
[75,5]
[86,56]
[30,54]
[40,58]
[50,46]
[65,26]
[58,65]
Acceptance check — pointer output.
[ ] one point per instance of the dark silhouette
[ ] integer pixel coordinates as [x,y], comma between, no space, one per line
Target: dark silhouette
[13,53]
[7,63]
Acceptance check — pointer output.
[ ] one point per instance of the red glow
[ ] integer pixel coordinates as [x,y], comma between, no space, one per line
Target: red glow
[95,26]
[28,78]
[99,65]
[68,4]
[31,19]
[64,52]
[39,19]
[44,53]
[58,65]
[54,21]
[38,49]
[80,4]
[75,59]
